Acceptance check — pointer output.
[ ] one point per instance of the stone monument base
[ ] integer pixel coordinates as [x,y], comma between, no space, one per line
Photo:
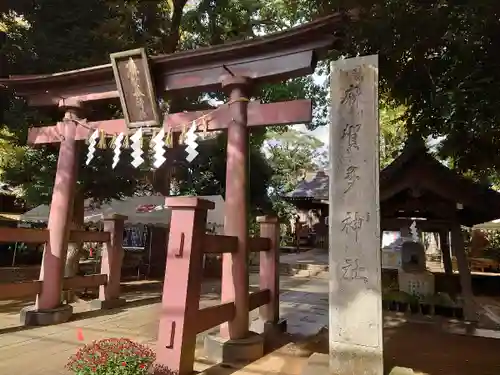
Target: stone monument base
[234,352]
[347,359]
[416,283]
[317,364]
[30,316]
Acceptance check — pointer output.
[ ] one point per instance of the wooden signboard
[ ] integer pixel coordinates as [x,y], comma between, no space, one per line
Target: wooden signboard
[135,87]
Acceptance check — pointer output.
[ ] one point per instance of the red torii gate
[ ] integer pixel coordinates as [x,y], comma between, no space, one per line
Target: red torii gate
[237,68]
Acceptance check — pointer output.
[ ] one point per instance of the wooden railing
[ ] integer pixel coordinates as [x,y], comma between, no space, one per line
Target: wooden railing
[27,289]
[181,319]
[28,235]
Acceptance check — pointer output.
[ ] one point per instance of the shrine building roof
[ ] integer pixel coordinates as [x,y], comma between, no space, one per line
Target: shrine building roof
[415,184]
[314,187]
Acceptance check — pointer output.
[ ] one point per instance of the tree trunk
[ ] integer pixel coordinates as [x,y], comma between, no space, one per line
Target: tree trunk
[75,252]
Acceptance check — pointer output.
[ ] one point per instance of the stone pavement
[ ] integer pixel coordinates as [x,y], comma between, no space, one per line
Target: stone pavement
[45,350]
[305,307]
[306,263]
[314,257]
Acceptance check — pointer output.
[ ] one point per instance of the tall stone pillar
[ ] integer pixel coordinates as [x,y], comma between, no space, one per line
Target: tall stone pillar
[355,258]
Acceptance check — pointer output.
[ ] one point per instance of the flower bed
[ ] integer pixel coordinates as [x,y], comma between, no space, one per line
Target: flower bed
[115,356]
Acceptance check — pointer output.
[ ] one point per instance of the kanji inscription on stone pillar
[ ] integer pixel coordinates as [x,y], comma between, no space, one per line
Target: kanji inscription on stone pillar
[355,261]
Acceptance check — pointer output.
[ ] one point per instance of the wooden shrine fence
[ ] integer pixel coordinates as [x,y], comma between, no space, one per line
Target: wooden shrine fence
[181,318]
[108,280]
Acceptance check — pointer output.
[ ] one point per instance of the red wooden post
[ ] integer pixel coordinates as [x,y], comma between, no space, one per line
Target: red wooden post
[111,263]
[269,268]
[182,286]
[235,265]
[61,209]
[47,309]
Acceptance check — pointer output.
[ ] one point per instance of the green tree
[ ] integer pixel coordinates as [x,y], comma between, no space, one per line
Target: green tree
[438,60]
[290,155]
[392,132]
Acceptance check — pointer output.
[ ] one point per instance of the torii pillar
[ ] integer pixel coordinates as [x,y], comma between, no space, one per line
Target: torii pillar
[237,344]
[235,266]
[48,309]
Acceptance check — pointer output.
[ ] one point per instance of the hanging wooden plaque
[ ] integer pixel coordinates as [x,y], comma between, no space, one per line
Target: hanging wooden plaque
[135,87]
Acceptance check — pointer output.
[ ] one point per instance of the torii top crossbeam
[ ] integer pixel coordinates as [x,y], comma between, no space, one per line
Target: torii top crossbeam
[276,57]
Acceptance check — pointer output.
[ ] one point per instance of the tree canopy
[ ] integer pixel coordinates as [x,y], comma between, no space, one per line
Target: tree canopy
[438,75]
[35,44]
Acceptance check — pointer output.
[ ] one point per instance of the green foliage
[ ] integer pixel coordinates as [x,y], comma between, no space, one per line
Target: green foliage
[35,44]
[112,357]
[439,59]
[392,132]
[438,75]
[290,154]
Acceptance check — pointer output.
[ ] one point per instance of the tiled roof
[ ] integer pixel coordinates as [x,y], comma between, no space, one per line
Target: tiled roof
[480,203]
[314,186]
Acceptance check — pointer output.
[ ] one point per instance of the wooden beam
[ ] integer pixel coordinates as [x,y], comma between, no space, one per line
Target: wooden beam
[190,79]
[258,244]
[259,298]
[281,113]
[87,281]
[220,244]
[213,316]
[275,57]
[27,235]
[440,208]
[395,224]
[21,290]
[86,236]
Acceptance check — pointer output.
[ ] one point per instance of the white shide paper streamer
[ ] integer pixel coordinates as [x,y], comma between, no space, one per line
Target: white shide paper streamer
[91,148]
[136,147]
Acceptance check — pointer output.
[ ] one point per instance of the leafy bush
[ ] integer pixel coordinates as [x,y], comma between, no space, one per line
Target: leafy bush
[114,356]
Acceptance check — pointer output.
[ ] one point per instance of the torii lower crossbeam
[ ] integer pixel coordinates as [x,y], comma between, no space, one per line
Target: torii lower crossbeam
[281,113]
